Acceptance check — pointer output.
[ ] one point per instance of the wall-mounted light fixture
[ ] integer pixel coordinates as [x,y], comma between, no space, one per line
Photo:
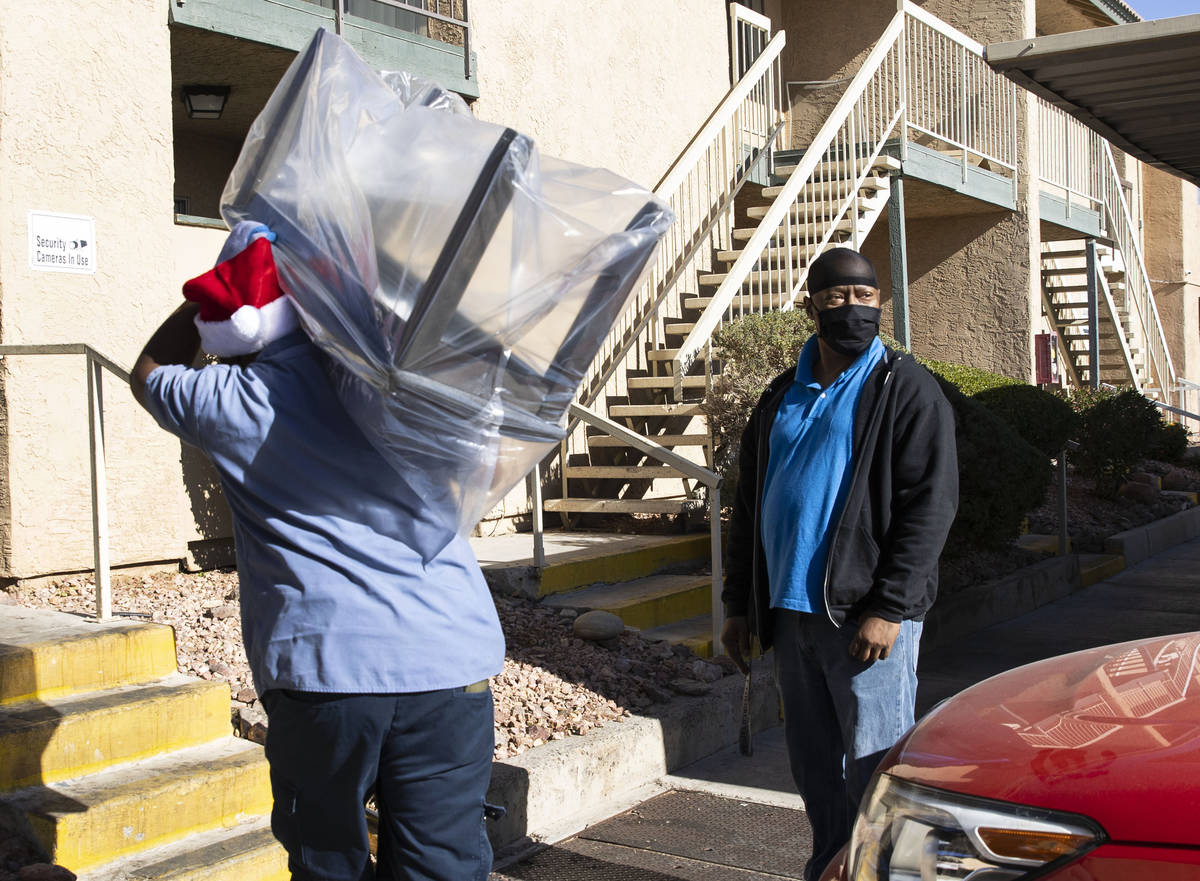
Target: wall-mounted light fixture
[205,102]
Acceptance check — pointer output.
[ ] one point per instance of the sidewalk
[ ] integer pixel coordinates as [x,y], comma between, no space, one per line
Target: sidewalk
[729,817]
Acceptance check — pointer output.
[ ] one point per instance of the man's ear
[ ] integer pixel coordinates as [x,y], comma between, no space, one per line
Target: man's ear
[809,309]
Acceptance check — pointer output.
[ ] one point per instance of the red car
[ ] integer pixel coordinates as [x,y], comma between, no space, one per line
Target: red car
[1084,767]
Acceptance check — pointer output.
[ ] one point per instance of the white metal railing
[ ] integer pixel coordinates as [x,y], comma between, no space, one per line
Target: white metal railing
[749,33]
[1070,158]
[954,97]
[97,363]
[700,187]
[924,80]
[689,469]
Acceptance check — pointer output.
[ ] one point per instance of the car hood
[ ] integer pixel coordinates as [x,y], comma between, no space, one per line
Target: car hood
[1111,733]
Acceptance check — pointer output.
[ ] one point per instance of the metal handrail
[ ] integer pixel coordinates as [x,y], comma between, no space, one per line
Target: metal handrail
[710,479]
[97,363]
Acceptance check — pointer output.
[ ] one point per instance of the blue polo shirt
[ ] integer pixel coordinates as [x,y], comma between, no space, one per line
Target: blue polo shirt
[334,597]
[808,475]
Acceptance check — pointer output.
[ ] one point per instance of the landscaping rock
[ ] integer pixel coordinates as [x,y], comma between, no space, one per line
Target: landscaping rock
[247,696]
[690,687]
[1147,478]
[569,613]
[598,625]
[252,724]
[1178,480]
[1139,491]
[223,612]
[706,672]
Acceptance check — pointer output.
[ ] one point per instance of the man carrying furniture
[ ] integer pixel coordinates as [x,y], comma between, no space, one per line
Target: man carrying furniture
[371,663]
[847,487]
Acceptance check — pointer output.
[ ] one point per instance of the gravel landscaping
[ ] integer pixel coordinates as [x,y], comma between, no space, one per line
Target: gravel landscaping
[554,684]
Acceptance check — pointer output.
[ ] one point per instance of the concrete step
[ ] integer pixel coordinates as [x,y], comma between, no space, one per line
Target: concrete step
[798,231]
[618,506]
[644,602]
[46,741]
[666,382]
[600,441]
[245,852]
[90,821]
[1042,544]
[753,302]
[695,633]
[46,654]
[653,471]
[660,411]
[882,162]
[840,185]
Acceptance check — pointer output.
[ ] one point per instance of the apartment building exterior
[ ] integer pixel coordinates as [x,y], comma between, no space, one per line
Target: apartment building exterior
[97,144]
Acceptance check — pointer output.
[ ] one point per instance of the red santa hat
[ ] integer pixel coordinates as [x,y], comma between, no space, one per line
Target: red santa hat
[242,307]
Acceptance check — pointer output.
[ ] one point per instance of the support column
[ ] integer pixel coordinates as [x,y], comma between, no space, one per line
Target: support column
[898,249]
[1093,310]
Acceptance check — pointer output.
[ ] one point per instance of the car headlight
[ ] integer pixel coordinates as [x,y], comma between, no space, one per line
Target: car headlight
[908,832]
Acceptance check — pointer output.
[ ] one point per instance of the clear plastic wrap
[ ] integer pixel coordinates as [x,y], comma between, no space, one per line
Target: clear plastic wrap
[460,283]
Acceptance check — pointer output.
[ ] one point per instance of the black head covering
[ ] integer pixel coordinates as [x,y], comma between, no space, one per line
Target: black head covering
[840,266]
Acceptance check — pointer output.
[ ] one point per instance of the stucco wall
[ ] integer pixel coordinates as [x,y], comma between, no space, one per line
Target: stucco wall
[1172,226]
[601,83]
[84,130]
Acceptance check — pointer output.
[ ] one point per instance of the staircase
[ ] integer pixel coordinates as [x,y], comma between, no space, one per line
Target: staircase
[120,767]
[1065,305]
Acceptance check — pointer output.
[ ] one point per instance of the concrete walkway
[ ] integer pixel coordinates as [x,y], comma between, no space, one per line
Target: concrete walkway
[729,817]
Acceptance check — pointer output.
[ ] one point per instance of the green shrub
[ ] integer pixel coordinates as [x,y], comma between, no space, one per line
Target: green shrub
[968,380]
[753,351]
[1170,442]
[1043,419]
[1001,477]
[1114,433]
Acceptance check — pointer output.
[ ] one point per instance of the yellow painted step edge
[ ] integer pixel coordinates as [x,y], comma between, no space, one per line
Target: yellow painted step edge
[107,659]
[75,745]
[1106,566]
[623,565]
[86,839]
[660,610]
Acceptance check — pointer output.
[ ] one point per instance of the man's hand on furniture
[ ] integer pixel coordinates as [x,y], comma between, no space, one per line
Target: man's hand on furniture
[735,636]
[874,639]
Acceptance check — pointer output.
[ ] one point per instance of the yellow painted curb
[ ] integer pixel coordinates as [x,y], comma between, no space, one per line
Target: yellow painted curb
[1102,566]
[107,658]
[43,743]
[656,610]
[622,565]
[162,808]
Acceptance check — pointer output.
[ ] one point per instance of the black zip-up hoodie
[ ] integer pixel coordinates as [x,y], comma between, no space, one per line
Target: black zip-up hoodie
[902,500]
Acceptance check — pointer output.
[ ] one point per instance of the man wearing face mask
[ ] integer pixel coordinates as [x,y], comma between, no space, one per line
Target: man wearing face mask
[848,484]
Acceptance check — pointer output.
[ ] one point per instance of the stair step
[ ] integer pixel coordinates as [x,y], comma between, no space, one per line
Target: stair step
[798,230]
[665,382]
[796,253]
[47,741]
[678,328]
[622,472]
[93,820]
[246,852]
[619,506]
[608,558]
[840,185]
[753,302]
[48,654]
[619,411]
[663,440]
[883,161]
[644,602]
[695,633]
[757,276]
[809,212]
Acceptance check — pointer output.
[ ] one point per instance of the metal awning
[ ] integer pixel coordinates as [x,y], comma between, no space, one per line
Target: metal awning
[1136,84]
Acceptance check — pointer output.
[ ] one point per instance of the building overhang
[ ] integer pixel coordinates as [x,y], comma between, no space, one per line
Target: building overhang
[1136,84]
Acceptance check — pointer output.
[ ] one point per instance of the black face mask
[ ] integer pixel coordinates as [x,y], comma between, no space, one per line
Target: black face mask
[848,329]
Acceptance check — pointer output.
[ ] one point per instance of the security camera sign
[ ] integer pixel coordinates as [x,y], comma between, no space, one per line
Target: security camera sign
[62,242]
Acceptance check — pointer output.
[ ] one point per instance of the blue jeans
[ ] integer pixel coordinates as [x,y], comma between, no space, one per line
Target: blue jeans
[429,757]
[840,717]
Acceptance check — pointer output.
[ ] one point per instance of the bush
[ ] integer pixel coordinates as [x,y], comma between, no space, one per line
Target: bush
[1169,443]
[1043,419]
[754,350]
[968,380]
[1115,432]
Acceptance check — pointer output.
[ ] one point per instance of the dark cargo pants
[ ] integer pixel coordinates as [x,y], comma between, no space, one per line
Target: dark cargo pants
[429,757]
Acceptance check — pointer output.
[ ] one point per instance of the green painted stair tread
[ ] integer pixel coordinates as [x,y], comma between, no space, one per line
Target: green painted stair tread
[245,852]
[45,654]
[61,738]
[95,819]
